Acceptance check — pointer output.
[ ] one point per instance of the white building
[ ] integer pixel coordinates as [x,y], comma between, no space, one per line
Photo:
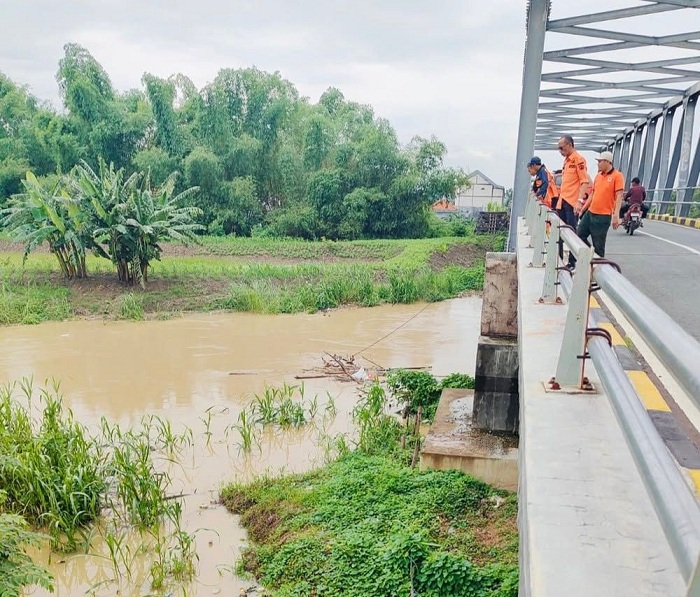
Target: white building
[481,192]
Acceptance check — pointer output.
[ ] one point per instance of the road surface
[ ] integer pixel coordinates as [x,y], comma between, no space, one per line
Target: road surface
[663,261]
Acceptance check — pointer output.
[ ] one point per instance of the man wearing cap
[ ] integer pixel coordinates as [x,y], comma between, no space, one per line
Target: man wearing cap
[574,184]
[603,204]
[541,182]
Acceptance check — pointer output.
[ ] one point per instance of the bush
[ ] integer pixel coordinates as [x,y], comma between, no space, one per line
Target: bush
[417,389]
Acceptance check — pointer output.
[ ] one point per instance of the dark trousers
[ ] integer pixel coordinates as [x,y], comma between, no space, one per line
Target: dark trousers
[596,227]
[567,215]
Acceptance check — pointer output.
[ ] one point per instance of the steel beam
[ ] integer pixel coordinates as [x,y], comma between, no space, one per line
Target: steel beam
[633,165]
[648,151]
[686,149]
[538,14]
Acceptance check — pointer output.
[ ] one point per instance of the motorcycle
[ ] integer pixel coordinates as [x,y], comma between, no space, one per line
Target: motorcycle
[633,219]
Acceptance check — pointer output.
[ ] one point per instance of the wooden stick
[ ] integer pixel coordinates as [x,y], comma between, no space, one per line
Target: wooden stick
[342,366]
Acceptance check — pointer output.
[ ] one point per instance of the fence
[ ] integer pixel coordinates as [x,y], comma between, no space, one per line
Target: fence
[664,201]
[672,498]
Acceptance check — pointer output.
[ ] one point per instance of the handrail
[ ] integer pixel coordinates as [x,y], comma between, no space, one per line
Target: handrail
[676,348]
[672,498]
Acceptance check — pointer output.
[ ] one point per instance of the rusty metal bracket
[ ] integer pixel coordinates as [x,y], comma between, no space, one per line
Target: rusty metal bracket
[599,333]
[603,261]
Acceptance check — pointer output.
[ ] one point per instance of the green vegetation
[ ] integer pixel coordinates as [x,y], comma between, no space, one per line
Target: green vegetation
[61,479]
[286,407]
[123,221]
[369,524]
[264,159]
[16,568]
[420,390]
[258,275]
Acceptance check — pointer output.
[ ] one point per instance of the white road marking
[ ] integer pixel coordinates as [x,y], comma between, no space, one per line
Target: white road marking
[670,242]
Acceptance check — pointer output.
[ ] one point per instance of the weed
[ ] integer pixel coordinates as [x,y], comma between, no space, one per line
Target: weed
[62,479]
[130,307]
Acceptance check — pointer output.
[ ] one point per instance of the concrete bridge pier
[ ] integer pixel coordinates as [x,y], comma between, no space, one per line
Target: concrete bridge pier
[496,397]
[476,431]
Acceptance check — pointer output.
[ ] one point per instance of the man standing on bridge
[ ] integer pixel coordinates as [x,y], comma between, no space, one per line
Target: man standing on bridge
[574,184]
[603,204]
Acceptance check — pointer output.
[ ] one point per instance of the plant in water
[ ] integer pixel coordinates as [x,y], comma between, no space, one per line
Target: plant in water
[50,467]
[378,432]
[62,479]
[247,430]
[16,568]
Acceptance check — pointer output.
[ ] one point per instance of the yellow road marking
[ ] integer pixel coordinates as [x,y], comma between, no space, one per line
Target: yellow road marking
[647,391]
[616,338]
[695,476]
[593,303]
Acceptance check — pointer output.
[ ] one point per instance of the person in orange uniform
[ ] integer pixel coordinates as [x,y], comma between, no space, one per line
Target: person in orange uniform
[574,184]
[603,204]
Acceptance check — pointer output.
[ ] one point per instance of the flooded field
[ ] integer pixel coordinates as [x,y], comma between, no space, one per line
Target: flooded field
[200,372]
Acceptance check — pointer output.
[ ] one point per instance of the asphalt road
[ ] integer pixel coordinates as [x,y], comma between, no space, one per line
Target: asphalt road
[667,273]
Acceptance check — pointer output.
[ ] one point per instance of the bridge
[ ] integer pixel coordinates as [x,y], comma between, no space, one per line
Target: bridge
[609,378]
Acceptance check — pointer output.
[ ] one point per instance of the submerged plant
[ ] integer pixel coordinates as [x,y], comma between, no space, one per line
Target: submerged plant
[51,469]
[62,479]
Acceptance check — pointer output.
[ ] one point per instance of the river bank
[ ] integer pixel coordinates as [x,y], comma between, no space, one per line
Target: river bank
[243,274]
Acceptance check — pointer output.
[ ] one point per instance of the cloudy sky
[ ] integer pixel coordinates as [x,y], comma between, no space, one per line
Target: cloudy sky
[451,68]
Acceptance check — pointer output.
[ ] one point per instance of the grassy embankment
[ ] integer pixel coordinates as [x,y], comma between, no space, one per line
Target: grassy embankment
[370,525]
[243,274]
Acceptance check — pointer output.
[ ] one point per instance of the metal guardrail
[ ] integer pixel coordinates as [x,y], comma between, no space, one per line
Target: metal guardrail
[671,496]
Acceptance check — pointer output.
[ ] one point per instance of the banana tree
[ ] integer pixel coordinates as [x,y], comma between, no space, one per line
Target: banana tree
[131,219]
[49,214]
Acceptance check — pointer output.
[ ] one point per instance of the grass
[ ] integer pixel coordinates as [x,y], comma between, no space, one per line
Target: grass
[61,478]
[369,524]
[256,275]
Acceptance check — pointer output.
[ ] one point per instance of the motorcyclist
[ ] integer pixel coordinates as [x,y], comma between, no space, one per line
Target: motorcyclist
[634,196]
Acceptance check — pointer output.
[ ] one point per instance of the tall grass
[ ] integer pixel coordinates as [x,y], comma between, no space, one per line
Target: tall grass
[62,479]
[285,406]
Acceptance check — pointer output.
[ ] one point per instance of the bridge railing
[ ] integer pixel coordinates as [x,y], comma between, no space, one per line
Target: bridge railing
[672,498]
[662,200]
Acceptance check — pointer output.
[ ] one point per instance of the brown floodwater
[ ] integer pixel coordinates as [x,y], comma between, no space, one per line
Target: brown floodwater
[200,371]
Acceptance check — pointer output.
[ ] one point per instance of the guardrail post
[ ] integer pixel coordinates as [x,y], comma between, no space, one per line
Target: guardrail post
[538,238]
[529,213]
[569,367]
[550,285]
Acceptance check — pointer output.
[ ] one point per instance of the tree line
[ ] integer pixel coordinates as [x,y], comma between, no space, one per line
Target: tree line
[263,159]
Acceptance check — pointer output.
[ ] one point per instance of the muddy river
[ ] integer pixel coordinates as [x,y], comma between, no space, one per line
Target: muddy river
[200,371]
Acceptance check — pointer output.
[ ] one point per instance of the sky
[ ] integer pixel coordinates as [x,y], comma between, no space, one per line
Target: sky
[449,68]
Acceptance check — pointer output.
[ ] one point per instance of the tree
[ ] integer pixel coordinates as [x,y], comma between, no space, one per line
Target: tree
[50,215]
[157,162]
[161,94]
[203,170]
[131,218]
[84,85]
[325,193]
[240,209]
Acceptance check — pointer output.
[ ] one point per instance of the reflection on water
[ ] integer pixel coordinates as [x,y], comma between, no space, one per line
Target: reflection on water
[180,368]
